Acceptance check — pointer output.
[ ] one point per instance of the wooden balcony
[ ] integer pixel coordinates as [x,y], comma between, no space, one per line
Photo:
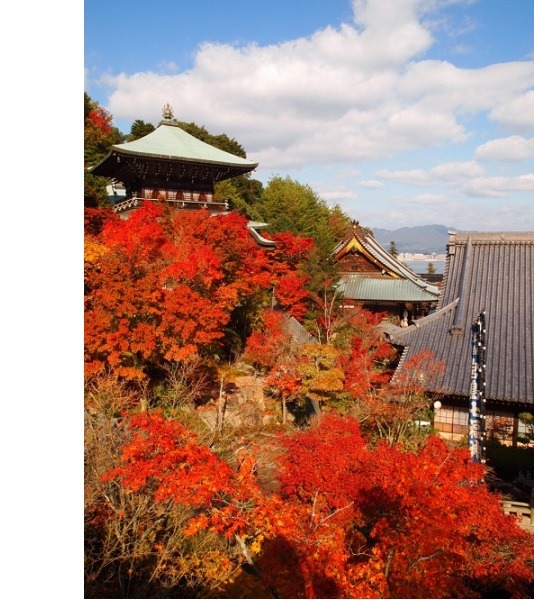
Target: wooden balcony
[132,203]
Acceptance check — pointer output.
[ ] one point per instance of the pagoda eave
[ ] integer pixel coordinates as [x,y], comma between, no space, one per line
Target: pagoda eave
[127,167]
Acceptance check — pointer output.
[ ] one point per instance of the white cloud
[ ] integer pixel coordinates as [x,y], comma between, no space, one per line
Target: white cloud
[334,192]
[435,200]
[343,94]
[451,173]
[454,172]
[496,187]
[451,89]
[371,184]
[410,177]
[517,113]
[511,149]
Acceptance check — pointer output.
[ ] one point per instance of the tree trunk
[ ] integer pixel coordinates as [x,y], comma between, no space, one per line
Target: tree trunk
[316,406]
[221,406]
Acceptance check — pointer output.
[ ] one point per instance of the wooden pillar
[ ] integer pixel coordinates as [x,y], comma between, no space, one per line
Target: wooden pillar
[515,429]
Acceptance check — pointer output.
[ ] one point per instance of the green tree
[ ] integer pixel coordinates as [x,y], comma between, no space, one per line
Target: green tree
[221,141]
[234,192]
[393,249]
[431,269]
[139,129]
[288,205]
[338,222]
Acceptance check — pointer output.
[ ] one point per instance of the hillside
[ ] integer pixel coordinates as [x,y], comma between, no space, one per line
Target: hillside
[424,238]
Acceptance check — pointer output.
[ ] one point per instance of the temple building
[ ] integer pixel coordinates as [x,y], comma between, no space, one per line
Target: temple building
[490,273]
[169,165]
[373,278]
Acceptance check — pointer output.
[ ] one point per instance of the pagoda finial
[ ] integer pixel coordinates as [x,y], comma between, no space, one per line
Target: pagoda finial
[167,112]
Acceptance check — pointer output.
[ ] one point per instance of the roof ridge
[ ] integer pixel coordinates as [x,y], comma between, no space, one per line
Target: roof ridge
[375,248]
[395,334]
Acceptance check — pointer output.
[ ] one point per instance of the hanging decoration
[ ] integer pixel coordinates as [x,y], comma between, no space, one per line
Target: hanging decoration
[477,396]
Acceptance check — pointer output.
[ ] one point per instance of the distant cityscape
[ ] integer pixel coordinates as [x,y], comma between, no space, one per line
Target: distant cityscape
[420,263]
[415,256]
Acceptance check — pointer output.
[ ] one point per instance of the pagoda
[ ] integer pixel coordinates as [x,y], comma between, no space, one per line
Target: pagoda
[168,165]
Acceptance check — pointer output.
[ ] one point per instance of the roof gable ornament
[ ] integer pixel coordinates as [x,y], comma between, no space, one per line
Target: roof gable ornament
[167,112]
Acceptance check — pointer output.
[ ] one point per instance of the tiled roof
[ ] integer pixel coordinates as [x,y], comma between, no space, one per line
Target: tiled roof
[366,288]
[298,332]
[396,282]
[484,271]
[170,141]
[170,145]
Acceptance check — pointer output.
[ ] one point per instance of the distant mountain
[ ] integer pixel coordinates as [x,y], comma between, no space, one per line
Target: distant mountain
[424,238]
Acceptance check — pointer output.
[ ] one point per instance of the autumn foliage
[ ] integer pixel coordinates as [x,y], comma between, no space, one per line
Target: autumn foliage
[162,287]
[329,375]
[352,519]
[417,525]
[359,504]
[341,497]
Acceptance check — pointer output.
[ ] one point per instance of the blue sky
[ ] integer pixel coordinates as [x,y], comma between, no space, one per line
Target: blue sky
[404,113]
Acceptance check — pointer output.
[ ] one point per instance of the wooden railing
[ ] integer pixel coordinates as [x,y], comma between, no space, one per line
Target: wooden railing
[134,202]
[524,510]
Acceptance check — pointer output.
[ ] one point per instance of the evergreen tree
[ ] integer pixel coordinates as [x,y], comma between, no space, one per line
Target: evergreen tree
[287,205]
[139,129]
[222,141]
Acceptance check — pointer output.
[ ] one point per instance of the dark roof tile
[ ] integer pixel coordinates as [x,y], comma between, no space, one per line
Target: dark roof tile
[484,271]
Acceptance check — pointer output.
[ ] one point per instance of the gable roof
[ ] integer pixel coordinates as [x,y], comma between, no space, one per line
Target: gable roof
[483,271]
[391,281]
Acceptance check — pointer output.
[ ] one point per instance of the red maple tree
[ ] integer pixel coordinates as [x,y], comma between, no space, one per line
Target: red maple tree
[352,520]
[162,286]
[419,525]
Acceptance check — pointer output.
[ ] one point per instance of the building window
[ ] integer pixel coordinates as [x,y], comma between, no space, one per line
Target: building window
[451,420]
[500,426]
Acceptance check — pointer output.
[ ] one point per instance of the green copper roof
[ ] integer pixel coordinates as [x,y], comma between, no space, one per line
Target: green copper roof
[366,289]
[170,141]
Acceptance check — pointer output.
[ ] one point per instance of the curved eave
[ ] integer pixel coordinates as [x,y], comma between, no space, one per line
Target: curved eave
[107,167]
[151,155]
[262,241]
[169,141]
